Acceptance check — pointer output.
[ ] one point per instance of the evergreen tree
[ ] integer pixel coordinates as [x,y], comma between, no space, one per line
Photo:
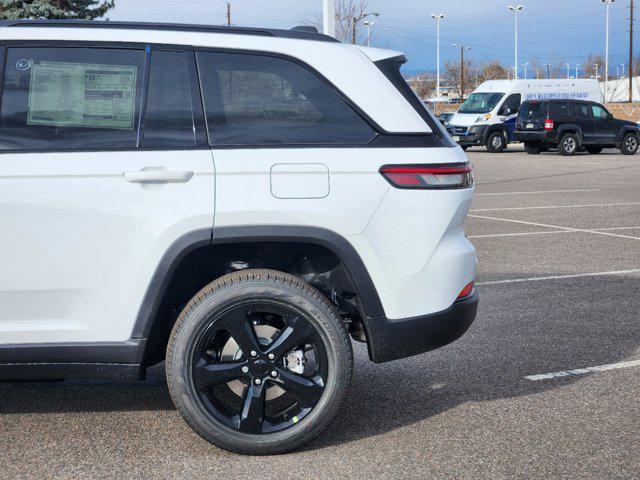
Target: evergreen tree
[56,9]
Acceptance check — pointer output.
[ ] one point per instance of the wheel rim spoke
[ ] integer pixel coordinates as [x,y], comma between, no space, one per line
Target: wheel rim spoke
[213,374]
[291,337]
[240,328]
[252,416]
[305,390]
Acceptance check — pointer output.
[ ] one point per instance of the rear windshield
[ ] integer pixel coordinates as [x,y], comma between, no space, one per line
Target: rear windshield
[481,102]
[533,110]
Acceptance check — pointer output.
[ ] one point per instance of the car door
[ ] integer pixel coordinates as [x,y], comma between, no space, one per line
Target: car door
[96,183]
[605,128]
[582,118]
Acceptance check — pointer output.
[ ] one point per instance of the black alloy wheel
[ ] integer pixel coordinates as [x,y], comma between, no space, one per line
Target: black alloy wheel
[259,362]
[266,354]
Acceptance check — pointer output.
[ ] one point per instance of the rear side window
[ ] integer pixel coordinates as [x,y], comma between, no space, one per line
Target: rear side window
[263,100]
[582,110]
[68,98]
[560,110]
[169,115]
[599,112]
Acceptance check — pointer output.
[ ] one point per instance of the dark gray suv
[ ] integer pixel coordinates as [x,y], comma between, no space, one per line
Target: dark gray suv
[571,126]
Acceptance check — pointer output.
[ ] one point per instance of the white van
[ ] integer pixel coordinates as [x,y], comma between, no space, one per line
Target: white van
[488,116]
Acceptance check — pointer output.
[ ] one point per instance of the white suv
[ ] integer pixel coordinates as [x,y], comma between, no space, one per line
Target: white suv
[237,202]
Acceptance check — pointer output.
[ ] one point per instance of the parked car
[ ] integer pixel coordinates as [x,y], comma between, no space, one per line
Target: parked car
[446,117]
[572,125]
[488,116]
[236,202]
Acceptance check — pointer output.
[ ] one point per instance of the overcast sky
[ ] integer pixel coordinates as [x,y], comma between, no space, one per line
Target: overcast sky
[553,31]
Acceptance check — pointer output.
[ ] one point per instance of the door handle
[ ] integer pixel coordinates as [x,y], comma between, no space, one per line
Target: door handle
[158,175]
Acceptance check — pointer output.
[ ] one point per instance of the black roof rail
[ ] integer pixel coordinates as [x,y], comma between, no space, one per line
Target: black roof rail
[300,33]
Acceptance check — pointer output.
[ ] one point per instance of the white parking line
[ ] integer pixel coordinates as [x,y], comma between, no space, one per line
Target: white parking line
[551,232]
[561,277]
[583,371]
[534,192]
[554,206]
[595,232]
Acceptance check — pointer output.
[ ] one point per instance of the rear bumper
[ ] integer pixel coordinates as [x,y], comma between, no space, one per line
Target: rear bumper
[394,339]
[538,136]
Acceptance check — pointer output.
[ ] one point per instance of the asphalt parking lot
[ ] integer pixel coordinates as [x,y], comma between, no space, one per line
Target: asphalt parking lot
[559,248]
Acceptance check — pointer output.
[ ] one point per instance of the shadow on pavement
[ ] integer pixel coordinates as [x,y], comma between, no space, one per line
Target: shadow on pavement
[522,329]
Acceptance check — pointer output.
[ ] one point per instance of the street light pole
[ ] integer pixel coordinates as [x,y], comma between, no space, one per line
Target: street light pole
[354,33]
[548,67]
[515,10]
[607,4]
[329,17]
[577,65]
[568,71]
[525,66]
[369,25]
[437,17]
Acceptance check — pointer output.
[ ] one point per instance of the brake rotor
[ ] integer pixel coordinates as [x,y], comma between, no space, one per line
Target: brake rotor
[231,352]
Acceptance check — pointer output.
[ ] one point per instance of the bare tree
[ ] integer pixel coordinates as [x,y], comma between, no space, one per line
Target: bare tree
[493,70]
[452,75]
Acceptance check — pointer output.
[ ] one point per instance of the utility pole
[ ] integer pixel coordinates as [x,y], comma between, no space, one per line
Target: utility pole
[631,51]
[229,13]
[462,49]
[329,17]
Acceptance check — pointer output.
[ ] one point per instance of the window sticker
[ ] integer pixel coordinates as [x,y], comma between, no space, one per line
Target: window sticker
[82,95]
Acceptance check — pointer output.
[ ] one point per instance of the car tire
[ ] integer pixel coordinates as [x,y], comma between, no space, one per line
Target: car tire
[594,150]
[532,148]
[568,145]
[496,142]
[236,308]
[629,145]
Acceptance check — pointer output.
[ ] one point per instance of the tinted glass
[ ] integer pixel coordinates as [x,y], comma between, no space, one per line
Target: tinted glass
[481,102]
[560,110]
[169,117]
[533,110]
[70,98]
[582,110]
[598,112]
[261,100]
[512,104]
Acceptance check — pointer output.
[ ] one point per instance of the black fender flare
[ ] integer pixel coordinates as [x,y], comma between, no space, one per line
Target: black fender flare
[189,242]
[623,131]
[570,128]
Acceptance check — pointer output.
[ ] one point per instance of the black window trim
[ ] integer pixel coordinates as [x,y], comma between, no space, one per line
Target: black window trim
[382,138]
[147,48]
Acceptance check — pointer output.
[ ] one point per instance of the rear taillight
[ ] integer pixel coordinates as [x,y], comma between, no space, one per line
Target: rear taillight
[548,124]
[466,291]
[437,177]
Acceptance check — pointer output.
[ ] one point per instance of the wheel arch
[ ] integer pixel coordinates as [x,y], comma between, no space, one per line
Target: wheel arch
[623,132]
[501,127]
[571,128]
[151,320]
